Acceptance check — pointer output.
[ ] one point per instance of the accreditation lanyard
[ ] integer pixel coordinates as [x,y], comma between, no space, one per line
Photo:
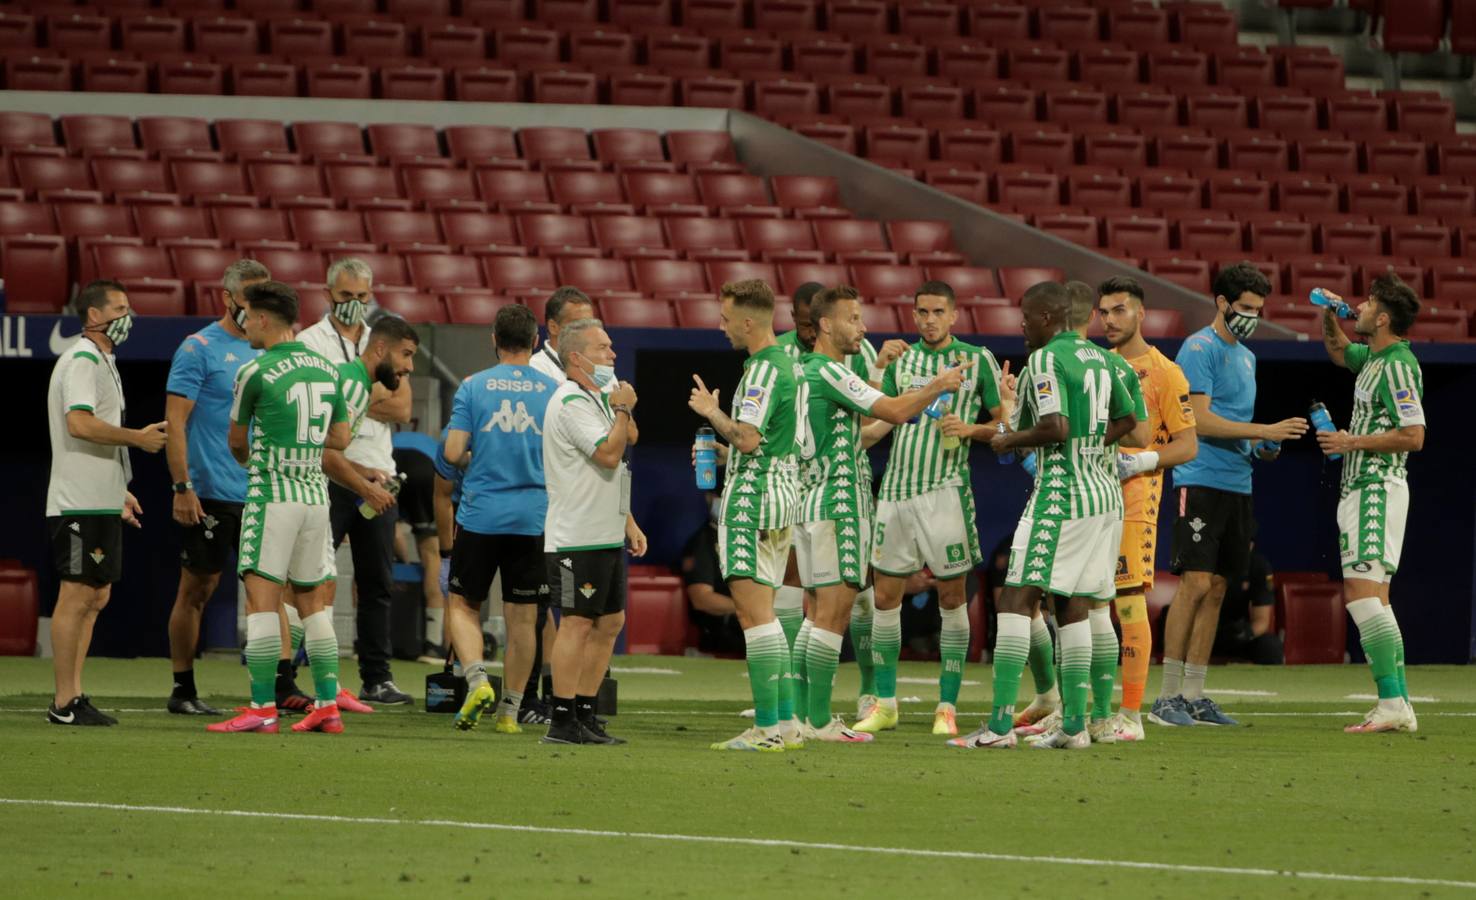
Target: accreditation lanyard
[609,416]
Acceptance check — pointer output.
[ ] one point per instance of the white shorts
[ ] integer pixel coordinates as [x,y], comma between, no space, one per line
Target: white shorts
[933,530]
[758,554]
[287,542]
[1371,530]
[1067,557]
[832,552]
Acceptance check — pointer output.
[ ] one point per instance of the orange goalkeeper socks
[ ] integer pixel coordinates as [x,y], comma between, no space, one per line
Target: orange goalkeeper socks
[1137,648]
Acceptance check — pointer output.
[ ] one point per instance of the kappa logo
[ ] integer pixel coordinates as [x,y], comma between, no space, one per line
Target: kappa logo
[75,527]
[1042,535]
[840,428]
[567,563]
[1054,510]
[1035,576]
[248,533]
[231,357]
[848,559]
[512,419]
[1055,483]
[843,507]
[1040,548]
[587,589]
[1056,497]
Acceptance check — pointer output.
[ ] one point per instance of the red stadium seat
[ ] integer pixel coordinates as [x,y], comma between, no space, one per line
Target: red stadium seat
[194,264]
[353,183]
[595,274]
[554,143]
[477,82]
[127,176]
[545,230]
[1414,26]
[474,307]
[1083,230]
[662,276]
[125,261]
[887,281]
[693,312]
[847,235]
[474,143]
[35,273]
[87,220]
[1279,237]
[509,189]
[615,233]
[722,191]
[327,226]
[1439,198]
[320,140]
[513,273]
[157,296]
[239,137]
[691,234]
[469,230]
[436,271]
[586,188]
[1352,240]
[392,227]
[234,225]
[340,82]
[1016,280]
[661,191]
[285,180]
[621,144]
[1375,198]
[19,218]
[1314,623]
[392,142]
[1302,277]
[1136,234]
[1420,241]
[413,306]
[792,275]
[762,236]
[693,147]
[720,273]
[1000,320]
[967,281]
[292,265]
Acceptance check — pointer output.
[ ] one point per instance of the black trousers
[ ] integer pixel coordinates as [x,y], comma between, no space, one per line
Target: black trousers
[372,543]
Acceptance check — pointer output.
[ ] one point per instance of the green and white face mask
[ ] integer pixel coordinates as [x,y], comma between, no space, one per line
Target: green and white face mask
[117,329]
[350,312]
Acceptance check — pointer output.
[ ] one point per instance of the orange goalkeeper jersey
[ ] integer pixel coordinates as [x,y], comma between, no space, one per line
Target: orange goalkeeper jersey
[1166,393]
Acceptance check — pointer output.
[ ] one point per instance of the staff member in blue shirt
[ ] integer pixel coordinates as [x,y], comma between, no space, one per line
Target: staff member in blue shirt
[209,485]
[1213,532]
[497,414]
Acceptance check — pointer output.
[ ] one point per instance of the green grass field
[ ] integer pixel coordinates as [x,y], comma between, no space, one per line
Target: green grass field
[403,805]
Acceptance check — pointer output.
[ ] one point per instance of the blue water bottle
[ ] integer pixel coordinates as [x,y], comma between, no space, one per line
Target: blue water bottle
[1028,464]
[706,458]
[937,410]
[1320,419]
[1319,297]
[1005,459]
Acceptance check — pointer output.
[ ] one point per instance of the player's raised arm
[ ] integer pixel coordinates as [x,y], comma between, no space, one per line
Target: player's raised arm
[899,409]
[1333,338]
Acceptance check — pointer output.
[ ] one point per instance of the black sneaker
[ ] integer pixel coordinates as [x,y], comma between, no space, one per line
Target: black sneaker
[571,733]
[75,713]
[87,702]
[191,706]
[535,713]
[385,692]
[293,701]
[594,733]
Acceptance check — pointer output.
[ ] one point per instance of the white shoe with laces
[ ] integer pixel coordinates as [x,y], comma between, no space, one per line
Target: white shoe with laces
[865,706]
[836,732]
[1060,740]
[1051,721]
[984,739]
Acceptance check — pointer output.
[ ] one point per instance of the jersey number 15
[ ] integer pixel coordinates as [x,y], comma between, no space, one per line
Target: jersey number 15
[313,405]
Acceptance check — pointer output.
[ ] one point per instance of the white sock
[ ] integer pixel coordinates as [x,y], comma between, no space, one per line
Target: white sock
[511,701]
[789,597]
[1194,680]
[1173,678]
[435,625]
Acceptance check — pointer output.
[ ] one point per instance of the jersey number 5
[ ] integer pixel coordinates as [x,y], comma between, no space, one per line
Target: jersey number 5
[310,400]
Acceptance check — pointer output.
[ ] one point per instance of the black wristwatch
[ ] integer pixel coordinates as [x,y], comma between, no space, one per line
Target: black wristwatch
[183,487]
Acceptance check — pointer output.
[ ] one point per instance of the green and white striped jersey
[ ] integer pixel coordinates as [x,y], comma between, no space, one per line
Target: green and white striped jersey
[830,450]
[1072,377]
[762,487]
[1388,395]
[290,397]
[355,386]
[861,362]
[918,462]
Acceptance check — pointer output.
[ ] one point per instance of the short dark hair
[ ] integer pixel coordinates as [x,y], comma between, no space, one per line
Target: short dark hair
[514,328]
[94,295]
[393,329]
[1237,279]
[824,302]
[553,310]
[1083,302]
[806,292]
[752,294]
[1397,299]
[1050,294]
[275,298]
[1121,284]
[936,289]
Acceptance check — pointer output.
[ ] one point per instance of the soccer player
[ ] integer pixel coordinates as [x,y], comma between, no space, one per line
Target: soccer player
[1388,425]
[1212,534]
[760,499]
[833,544]
[209,485]
[87,497]
[585,436]
[1173,441]
[291,400]
[789,599]
[925,514]
[1074,409]
[341,336]
[498,414]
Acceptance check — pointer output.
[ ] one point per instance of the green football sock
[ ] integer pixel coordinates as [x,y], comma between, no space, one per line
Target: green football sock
[789,609]
[1398,653]
[953,646]
[263,647]
[1076,672]
[1011,651]
[1104,661]
[821,658]
[886,646]
[294,627]
[1379,636]
[322,649]
[1042,656]
[801,670]
[766,654]
[863,637]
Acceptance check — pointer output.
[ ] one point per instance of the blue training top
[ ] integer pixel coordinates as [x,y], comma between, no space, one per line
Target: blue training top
[502,490]
[445,469]
[423,444]
[204,370]
[1226,373]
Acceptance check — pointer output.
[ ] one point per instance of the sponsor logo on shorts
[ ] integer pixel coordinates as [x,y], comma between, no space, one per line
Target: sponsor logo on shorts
[1122,566]
[1363,567]
[955,552]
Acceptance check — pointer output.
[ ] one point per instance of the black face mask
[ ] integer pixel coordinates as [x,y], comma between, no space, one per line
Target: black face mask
[384,373]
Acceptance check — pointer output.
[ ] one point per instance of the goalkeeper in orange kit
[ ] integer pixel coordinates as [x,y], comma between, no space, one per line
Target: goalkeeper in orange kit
[1173,442]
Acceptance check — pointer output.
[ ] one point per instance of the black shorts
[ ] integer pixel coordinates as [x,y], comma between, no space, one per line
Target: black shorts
[417,500]
[87,549]
[1212,533]
[207,543]
[477,558]
[588,583]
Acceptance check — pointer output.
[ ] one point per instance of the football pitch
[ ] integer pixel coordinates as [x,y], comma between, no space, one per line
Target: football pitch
[403,805]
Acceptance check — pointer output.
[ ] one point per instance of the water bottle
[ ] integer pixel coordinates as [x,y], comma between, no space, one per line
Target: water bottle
[1028,464]
[936,411]
[1319,297]
[393,487]
[1005,459]
[1266,446]
[706,458]
[1320,419]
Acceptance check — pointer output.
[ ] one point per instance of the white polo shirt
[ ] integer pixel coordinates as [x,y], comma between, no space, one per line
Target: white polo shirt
[86,477]
[372,446]
[546,360]
[587,503]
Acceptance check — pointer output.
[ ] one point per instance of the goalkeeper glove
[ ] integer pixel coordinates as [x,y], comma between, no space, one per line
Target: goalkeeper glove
[1130,464]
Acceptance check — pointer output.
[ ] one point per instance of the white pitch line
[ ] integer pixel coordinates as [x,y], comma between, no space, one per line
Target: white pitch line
[1244,713]
[756,842]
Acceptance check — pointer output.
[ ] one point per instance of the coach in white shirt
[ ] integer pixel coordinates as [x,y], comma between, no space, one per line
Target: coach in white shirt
[87,498]
[586,432]
[565,305]
[341,336]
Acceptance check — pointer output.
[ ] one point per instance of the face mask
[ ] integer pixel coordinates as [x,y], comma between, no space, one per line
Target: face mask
[349,312]
[238,315]
[117,329]
[384,373]
[1240,324]
[603,375]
